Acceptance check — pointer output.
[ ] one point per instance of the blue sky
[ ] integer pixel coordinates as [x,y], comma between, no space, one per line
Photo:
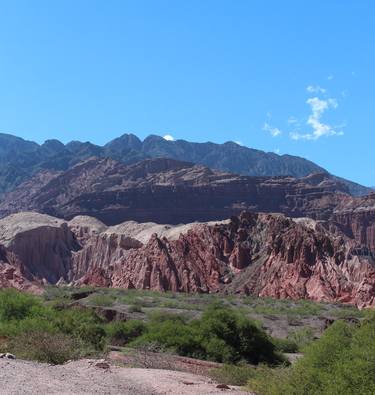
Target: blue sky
[287,76]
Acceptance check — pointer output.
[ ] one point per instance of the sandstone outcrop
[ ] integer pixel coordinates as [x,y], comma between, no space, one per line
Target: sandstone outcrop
[42,245]
[258,254]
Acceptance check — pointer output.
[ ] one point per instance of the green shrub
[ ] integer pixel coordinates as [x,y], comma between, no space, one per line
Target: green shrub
[270,381]
[21,314]
[121,333]
[244,338]
[54,348]
[302,337]
[82,324]
[174,334]
[93,335]
[286,345]
[342,361]
[221,335]
[15,305]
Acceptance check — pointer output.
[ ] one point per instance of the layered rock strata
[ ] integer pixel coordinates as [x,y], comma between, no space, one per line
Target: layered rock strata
[258,254]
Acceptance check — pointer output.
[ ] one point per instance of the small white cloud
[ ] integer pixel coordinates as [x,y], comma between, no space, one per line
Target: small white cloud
[269,114]
[315,89]
[330,77]
[168,137]
[319,129]
[276,150]
[238,142]
[274,132]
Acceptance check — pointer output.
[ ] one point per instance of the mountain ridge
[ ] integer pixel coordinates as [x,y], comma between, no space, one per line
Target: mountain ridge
[21,159]
[169,191]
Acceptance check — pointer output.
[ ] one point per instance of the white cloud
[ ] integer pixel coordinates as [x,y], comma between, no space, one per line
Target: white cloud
[274,132]
[330,77]
[238,142]
[315,89]
[319,129]
[276,150]
[168,137]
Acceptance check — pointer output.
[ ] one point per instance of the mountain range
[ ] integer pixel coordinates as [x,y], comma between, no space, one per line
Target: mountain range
[125,215]
[21,159]
[253,254]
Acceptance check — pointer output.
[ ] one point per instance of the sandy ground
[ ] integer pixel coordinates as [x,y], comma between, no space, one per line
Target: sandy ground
[83,377]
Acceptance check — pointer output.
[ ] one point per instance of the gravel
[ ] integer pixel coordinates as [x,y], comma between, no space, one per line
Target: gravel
[83,377]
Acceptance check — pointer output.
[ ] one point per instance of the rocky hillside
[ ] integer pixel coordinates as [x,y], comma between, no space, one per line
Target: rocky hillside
[20,159]
[257,254]
[169,191]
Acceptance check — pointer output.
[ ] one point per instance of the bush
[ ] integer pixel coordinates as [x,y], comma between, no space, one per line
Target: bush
[174,334]
[342,361]
[121,333]
[92,335]
[15,305]
[54,348]
[271,381]
[286,345]
[302,337]
[221,335]
[22,314]
[84,325]
[243,338]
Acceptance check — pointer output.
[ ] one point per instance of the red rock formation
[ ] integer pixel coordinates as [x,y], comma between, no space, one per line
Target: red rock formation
[40,245]
[258,254]
[169,191]
[13,275]
[356,218]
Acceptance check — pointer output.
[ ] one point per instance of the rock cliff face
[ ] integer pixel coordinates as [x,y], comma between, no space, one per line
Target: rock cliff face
[356,218]
[42,245]
[258,254]
[13,275]
[169,191]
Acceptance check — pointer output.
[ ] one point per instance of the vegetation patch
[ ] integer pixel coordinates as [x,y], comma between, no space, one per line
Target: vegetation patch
[233,374]
[341,362]
[35,330]
[64,324]
[220,335]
